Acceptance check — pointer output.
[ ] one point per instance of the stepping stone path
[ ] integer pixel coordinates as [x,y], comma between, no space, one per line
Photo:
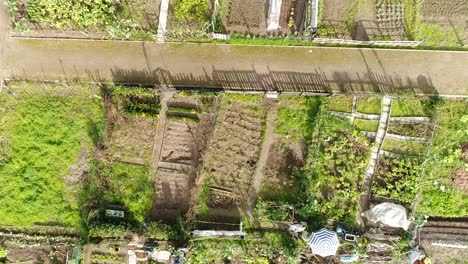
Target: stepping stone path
[382,130]
[162,20]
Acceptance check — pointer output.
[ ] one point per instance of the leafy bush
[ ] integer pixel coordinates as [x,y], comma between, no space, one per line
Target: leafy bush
[196,10]
[136,100]
[257,247]
[338,168]
[109,231]
[72,14]
[397,179]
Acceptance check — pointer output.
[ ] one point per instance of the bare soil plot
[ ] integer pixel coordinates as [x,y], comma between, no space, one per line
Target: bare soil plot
[130,139]
[453,10]
[190,122]
[246,16]
[233,154]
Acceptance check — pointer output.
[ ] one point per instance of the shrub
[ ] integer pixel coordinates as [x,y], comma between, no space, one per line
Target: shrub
[196,10]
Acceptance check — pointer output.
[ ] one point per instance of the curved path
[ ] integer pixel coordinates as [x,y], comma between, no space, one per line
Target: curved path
[234,66]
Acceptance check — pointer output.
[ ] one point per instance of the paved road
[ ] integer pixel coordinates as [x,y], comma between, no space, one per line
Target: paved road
[235,67]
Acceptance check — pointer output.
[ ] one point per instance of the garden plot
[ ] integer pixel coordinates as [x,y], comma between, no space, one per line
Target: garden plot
[232,157]
[248,15]
[409,113]
[338,165]
[443,192]
[190,122]
[396,179]
[47,136]
[134,19]
[120,173]
[283,177]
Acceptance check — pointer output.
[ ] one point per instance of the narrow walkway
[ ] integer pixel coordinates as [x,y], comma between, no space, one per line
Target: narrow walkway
[162,20]
[272,115]
[382,130]
[159,137]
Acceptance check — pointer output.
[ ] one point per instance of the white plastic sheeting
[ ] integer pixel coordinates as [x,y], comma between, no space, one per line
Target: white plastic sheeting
[274,15]
[389,214]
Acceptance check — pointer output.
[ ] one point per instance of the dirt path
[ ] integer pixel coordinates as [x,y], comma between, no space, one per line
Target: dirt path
[268,140]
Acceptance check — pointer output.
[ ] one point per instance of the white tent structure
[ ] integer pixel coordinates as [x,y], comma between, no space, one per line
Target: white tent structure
[389,214]
[324,243]
[274,15]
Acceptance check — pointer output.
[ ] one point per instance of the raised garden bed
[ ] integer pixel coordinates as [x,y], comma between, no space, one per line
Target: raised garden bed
[366,125]
[410,130]
[411,148]
[405,107]
[369,105]
[341,104]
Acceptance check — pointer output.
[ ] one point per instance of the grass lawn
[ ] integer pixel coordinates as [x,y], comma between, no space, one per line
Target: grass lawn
[411,148]
[341,104]
[407,107]
[366,125]
[129,185]
[257,247]
[296,116]
[442,193]
[46,129]
[369,105]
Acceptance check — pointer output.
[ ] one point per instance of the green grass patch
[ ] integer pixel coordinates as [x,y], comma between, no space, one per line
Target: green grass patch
[440,195]
[412,148]
[440,35]
[341,104]
[296,116]
[404,107]
[257,247]
[369,105]
[366,125]
[45,130]
[183,118]
[139,101]
[124,184]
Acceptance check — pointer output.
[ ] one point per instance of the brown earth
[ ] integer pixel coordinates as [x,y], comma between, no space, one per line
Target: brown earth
[183,144]
[35,254]
[233,154]
[460,179]
[283,157]
[248,16]
[130,138]
[445,10]
[285,13]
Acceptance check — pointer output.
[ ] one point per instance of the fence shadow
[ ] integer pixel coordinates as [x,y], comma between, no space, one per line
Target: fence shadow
[282,81]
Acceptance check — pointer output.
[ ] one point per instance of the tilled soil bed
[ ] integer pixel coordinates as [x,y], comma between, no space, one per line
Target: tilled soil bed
[234,150]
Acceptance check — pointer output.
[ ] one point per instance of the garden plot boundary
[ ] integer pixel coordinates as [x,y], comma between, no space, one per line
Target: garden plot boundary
[204,88]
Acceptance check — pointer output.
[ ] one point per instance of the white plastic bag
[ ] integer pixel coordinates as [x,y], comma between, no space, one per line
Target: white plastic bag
[389,214]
